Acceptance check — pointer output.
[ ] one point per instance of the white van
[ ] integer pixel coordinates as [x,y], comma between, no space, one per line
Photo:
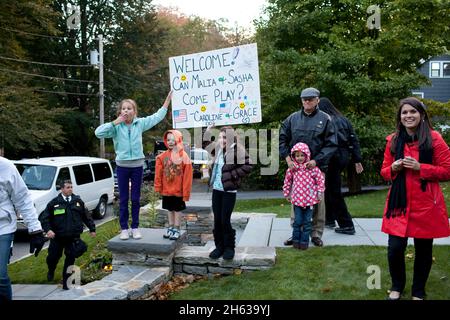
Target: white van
[200,160]
[92,180]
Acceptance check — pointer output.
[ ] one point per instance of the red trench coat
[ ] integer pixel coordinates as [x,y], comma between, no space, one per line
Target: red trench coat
[426,214]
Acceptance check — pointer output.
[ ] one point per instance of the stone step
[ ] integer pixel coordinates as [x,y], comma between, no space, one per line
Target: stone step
[151,250]
[195,260]
[152,242]
[126,283]
[257,232]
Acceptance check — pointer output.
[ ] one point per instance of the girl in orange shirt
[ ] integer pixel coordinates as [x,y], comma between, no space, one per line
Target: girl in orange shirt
[173,180]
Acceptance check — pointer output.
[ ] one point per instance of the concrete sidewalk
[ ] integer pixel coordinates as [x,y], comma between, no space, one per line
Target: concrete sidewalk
[368,233]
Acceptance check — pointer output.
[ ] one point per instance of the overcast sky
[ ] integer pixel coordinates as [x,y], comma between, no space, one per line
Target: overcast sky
[241,11]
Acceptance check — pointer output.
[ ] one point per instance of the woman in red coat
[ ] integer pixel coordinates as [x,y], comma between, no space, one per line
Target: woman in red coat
[415,160]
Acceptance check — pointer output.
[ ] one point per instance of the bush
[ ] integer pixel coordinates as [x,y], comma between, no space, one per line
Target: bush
[97,267]
[439,113]
[372,133]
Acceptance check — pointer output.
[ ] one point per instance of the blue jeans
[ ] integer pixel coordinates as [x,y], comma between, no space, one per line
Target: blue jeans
[302,225]
[124,176]
[5,250]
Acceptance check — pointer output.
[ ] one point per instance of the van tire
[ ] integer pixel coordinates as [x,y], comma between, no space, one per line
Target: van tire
[100,210]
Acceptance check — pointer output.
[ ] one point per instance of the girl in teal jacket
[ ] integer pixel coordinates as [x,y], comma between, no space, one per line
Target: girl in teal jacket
[126,132]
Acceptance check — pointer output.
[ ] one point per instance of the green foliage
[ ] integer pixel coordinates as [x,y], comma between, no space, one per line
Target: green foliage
[372,132]
[439,114]
[27,123]
[327,45]
[99,258]
[148,197]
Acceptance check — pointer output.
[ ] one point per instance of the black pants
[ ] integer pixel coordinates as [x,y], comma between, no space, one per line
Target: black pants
[336,209]
[55,250]
[223,205]
[422,264]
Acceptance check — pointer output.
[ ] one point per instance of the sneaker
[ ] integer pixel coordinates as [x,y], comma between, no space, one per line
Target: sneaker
[136,233]
[288,242]
[317,241]
[175,234]
[345,230]
[394,295]
[168,233]
[124,235]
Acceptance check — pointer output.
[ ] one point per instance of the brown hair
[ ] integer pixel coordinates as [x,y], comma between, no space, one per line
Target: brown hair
[423,129]
[229,133]
[132,102]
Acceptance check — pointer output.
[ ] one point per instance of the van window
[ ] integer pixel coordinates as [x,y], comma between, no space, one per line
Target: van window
[83,174]
[199,155]
[64,174]
[101,171]
[37,177]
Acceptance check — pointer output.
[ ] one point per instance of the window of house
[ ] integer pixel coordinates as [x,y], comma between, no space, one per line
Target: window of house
[446,69]
[440,69]
[435,69]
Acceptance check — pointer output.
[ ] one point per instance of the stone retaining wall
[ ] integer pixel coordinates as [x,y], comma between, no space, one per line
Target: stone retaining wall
[195,260]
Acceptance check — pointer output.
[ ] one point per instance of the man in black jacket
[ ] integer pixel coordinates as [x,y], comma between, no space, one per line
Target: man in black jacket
[313,127]
[63,220]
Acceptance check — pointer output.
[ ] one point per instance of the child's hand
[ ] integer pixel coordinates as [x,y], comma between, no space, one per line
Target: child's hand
[168,99]
[121,118]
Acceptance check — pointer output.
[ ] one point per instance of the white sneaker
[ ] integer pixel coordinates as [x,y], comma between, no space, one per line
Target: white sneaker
[124,235]
[175,234]
[136,233]
[168,233]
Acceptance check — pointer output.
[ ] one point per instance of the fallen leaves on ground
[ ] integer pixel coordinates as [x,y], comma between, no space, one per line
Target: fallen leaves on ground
[175,284]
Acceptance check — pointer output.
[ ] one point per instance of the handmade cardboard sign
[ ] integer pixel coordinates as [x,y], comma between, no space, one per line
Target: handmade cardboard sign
[219,86]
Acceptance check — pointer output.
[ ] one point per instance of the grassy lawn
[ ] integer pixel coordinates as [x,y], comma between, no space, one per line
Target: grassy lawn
[368,205]
[328,273]
[34,270]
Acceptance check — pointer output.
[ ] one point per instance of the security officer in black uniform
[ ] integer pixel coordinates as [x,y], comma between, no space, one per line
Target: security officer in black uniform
[63,220]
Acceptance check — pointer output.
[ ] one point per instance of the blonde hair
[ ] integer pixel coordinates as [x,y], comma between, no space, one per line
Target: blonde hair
[130,101]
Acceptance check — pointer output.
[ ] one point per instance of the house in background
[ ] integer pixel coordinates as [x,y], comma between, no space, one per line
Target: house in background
[437,69]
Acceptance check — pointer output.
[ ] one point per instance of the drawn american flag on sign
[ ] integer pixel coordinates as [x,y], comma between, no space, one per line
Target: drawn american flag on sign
[180,115]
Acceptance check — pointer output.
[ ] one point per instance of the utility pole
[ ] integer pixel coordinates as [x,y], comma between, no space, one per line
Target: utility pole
[100,92]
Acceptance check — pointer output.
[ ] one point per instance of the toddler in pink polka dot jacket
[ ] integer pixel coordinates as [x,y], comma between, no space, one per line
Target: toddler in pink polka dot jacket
[304,188]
